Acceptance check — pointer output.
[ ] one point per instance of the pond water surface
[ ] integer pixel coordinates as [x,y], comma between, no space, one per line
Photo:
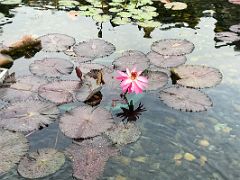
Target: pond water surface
[165,131]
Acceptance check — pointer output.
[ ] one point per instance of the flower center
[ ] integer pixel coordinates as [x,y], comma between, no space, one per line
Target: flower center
[133,75]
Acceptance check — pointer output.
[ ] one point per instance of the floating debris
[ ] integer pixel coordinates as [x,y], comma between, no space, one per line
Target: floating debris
[41,163]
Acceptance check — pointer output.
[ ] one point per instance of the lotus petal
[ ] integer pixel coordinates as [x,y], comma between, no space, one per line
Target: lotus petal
[197,76]
[185,99]
[165,61]
[59,92]
[172,47]
[51,67]
[94,48]
[89,157]
[227,37]
[85,122]
[131,58]
[56,42]
[41,163]
[123,134]
[12,147]
[235,28]
[156,79]
[25,88]
[28,116]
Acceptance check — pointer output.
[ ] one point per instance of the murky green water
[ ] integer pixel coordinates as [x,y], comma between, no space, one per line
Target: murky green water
[165,131]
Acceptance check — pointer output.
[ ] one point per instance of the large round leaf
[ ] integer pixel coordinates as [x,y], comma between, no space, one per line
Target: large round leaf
[85,122]
[51,67]
[235,28]
[89,157]
[131,58]
[165,61]
[156,79]
[123,134]
[197,76]
[56,42]
[42,163]
[175,6]
[87,67]
[28,116]
[227,37]
[172,47]
[12,147]
[94,48]
[185,99]
[59,92]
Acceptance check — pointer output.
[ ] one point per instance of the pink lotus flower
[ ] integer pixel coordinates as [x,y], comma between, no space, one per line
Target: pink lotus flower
[132,81]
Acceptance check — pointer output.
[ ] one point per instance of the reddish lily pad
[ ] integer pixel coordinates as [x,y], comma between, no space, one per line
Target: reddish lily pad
[59,92]
[185,99]
[56,42]
[85,122]
[172,47]
[156,79]
[51,67]
[131,58]
[89,157]
[165,61]
[40,164]
[228,37]
[123,134]
[12,147]
[28,116]
[25,88]
[235,28]
[94,48]
[197,76]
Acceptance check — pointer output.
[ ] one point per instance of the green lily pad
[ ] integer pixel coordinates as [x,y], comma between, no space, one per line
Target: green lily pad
[121,21]
[115,10]
[11,2]
[101,18]
[67,4]
[40,164]
[148,8]
[124,14]
[12,147]
[146,24]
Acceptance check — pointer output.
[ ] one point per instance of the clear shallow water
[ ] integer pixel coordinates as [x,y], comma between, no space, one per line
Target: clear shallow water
[165,131]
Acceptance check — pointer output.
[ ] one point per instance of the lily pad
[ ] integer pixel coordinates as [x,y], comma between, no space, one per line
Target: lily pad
[124,14]
[56,42]
[152,24]
[85,122]
[185,99]
[156,79]
[101,18]
[59,92]
[131,58]
[51,67]
[28,116]
[40,164]
[94,48]
[197,76]
[87,67]
[121,21]
[67,4]
[172,47]
[234,2]
[123,134]
[2,15]
[11,2]
[89,157]
[165,61]
[235,28]
[12,147]
[175,6]
[228,37]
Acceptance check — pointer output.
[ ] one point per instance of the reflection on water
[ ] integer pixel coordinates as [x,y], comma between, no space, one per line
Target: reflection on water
[174,144]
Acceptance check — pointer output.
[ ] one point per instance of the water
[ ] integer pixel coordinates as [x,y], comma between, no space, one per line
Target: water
[165,131]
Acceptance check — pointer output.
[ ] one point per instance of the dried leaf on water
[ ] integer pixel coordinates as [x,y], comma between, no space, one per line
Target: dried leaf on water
[124,133]
[185,99]
[85,122]
[12,147]
[172,47]
[60,92]
[51,67]
[165,61]
[56,42]
[197,76]
[41,163]
[94,48]
[28,116]
[131,58]
[89,157]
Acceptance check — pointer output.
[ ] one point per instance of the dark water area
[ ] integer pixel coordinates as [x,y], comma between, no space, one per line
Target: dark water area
[173,144]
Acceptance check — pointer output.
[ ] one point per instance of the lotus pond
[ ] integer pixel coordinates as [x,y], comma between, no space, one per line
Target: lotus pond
[63,114]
